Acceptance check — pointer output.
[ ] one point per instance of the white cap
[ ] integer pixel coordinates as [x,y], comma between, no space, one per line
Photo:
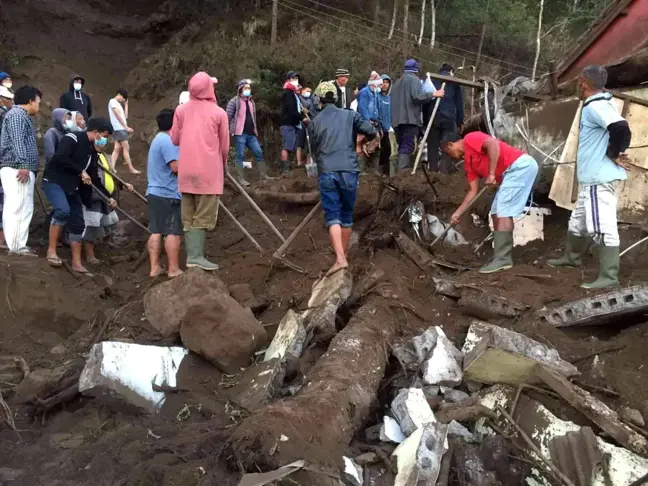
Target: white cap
[5,93]
[214,79]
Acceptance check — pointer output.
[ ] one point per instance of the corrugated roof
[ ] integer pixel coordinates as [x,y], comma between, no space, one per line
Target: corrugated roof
[577,455]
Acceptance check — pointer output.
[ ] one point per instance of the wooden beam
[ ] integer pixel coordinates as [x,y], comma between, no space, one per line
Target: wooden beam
[480,85]
[627,97]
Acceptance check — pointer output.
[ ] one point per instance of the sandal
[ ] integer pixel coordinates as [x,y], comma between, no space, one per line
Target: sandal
[55,261]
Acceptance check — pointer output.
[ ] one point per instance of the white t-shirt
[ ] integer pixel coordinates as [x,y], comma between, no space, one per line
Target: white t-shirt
[112,104]
[354,105]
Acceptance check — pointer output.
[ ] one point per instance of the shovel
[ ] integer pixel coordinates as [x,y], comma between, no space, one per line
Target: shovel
[450,226]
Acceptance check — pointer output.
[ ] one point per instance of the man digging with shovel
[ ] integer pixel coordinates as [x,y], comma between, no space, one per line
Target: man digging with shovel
[501,165]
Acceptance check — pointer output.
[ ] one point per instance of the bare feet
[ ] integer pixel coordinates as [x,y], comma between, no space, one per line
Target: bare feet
[133,170]
[93,260]
[54,260]
[337,267]
[156,272]
[81,269]
[175,273]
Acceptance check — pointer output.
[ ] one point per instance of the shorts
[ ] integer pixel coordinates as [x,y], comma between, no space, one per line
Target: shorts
[517,183]
[301,139]
[199,211]
[288,138]
[338,192]
[120,136]
[165,217]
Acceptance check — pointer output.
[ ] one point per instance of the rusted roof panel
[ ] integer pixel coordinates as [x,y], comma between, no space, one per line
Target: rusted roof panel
[577,455]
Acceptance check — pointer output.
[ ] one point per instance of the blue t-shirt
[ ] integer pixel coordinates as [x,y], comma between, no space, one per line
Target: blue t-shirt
[162,182]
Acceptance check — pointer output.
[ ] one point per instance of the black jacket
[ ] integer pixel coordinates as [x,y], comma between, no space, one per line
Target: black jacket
[76,100]
[451,105]
[87,193]
[349,97]
[333,138]
[290,115]
[72,157]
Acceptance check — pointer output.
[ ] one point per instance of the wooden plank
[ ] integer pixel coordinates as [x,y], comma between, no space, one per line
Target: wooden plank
[628,97]
[479,85]
[563,181]
[595,410]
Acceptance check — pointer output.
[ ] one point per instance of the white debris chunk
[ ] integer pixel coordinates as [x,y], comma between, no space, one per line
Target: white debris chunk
[390,431]
[124,373]
[454,396]
[289,339]
[352,474]
[425,343]
[412,410]
[419,457]
[455,429]
[444,366]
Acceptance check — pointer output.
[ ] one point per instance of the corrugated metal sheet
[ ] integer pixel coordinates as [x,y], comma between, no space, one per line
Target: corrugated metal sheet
[577,455]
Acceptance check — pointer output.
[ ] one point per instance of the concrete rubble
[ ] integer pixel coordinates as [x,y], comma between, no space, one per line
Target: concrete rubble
[482,305]
[328,295]
[411,410]
[419,456]
[259,384]
[444,365]
[352,474]
[123,374]
[498,355]
[289,339]
[390,431]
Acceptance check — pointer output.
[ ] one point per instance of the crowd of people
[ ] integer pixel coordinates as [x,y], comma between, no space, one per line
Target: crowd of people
[376,127]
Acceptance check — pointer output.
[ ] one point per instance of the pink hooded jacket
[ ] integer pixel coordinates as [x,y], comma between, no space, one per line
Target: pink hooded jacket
[200,129]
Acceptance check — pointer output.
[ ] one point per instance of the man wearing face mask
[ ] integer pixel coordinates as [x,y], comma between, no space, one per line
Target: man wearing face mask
[369,154]
[291,119]
[308,110]
[63,123]
[61,181]
[75,99]
[241,114]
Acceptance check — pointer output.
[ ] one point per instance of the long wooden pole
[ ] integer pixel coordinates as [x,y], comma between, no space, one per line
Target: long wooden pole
[255,206]
[119,179]
[282,249]
[240,226]
[427,132]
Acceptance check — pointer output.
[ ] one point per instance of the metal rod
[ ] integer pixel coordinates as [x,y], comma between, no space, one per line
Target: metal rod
[282,249]
[255,206]
[450,226]
[240,226]
[632,246]
[119,179]
[120,210]
[427,132]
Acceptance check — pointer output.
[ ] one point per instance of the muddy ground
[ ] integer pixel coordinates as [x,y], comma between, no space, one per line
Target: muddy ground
[48,317]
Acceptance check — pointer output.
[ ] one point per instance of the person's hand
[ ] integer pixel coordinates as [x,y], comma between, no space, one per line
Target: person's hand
[623,161]
[439,93]
[129,130]
[454,219]
[306,121]
[85,178]
[460,129]
[23,176]
[112,203]
[491,181]
[129,187]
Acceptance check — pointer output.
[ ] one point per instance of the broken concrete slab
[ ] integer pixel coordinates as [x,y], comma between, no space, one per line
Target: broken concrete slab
[390,431]
[419,456]
[425,343]
[289,338]
[403,350]
[412,410]
[123,374]
[595,410]
[600,309]
[485,306]
[542,426]
[444,365]
[352,473]
[431,391]
[455,429]
[258,385]
[448,287]
[329,293]
[454,396]
[498,355]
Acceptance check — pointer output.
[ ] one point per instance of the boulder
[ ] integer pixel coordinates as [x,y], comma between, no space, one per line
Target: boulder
[223,332]
[166,304]
[243,294]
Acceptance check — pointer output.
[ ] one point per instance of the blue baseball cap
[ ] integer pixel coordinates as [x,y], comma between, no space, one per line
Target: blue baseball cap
[3,76]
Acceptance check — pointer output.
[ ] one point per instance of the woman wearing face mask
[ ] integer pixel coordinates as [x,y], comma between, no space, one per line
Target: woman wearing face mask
[63,124]
[78,122]
[291,119]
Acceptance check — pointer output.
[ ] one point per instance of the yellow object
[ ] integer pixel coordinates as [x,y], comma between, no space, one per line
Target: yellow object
[109,182]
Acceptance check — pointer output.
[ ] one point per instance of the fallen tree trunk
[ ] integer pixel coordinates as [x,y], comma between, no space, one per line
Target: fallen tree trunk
[311,197]
[320,421]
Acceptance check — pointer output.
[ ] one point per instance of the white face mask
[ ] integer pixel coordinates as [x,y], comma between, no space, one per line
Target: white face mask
[69,124]
[78,86]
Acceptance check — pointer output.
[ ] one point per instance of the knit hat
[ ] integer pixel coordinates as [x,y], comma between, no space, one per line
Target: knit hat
[326,91]
[412,66]
[342,72]
[375,79]
[242,83]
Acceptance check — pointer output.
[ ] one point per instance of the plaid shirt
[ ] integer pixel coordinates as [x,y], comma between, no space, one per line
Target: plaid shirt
[18,148]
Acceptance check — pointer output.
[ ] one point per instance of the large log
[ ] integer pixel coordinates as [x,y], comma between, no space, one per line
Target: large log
[320,421]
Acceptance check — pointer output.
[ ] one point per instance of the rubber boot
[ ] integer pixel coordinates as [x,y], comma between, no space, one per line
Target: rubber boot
[404,161]
[195,243]
[375,163]
[393,166]
[362,163]
[574,248]
[263,170]
[609,269]
[502,259]
[240,177]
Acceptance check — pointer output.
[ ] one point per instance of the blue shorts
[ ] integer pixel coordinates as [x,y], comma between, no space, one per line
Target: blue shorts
[288,138]
[517,183]
[338,192]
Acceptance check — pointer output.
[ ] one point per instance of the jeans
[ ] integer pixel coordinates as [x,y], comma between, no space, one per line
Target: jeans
[241,142]
[406,138]
[338,192]
[440,129]
[68,209]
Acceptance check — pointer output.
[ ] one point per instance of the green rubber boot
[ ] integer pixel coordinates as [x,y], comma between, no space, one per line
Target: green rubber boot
[574,248]
[240,177]
[263,170]
[195,243]
[503,259]
[609,269]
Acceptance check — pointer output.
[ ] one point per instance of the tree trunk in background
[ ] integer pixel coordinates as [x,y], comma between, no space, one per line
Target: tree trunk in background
[538,37]
[406,20]
[393,22]
[433,22]
[376,13]
[481,45]
[420,39]
[273,33]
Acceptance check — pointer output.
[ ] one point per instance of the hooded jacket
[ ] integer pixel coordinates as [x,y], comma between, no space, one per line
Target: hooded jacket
[407,96]
[384,105]
[236,114]
[72,157]
[200,129]
[290,114]
[77,100]
[451,105]
[54,135]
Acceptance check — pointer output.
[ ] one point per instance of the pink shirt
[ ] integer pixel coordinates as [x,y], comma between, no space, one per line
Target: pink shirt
[200,129]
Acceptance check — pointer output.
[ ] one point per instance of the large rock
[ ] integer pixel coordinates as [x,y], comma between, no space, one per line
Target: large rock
[223,332]
[166,305]
[243,294]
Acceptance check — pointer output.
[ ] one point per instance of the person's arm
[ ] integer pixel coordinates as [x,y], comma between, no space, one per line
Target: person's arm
[605,115]
[231,110]
[64,156]
[363,105]
[171,154]
[473,190]
[420,97]
[223,136]
[90,111]
[49,145]
[364,127]
[93,172]
[126,109]
[492,149]
[118,114]
[16,128]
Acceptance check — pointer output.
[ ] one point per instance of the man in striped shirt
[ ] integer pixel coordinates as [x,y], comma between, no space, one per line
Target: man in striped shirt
[18,167]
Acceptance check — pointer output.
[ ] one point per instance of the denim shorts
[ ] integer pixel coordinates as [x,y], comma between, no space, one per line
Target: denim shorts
[338,192]
[288,138]
[517,183]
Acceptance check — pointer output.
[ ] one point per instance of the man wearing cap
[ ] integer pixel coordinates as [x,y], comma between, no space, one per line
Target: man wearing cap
[5,81]
[407,98]
[291,119]
[241,113]
[344,98]
[333,139]
[6,103]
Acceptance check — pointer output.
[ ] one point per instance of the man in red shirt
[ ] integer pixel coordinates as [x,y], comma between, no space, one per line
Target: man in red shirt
[501,165]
